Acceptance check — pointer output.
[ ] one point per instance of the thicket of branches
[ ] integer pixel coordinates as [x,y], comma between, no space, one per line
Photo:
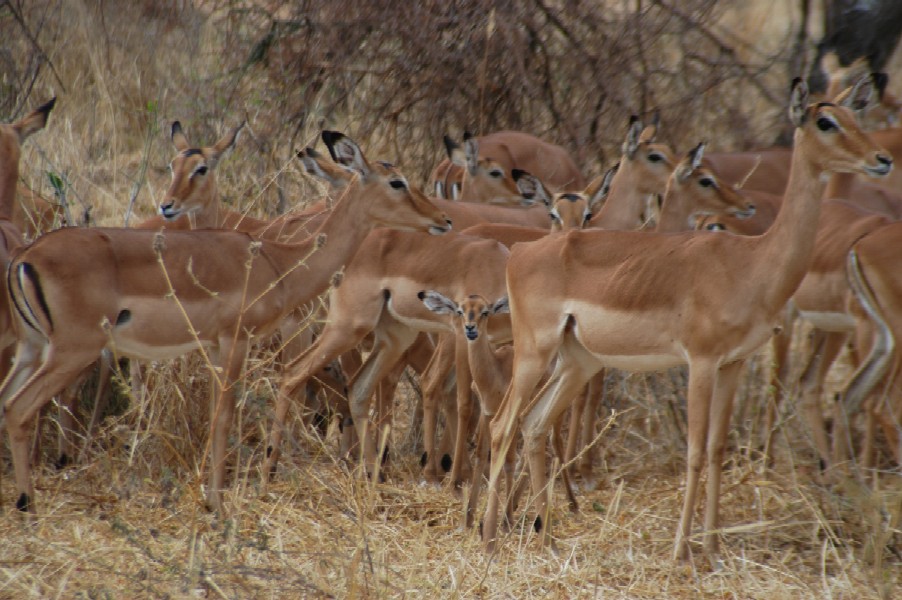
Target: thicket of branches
[399,75]
[570,71]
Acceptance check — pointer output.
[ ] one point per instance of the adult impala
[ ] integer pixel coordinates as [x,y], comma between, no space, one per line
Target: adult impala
[650,301]
[157,295]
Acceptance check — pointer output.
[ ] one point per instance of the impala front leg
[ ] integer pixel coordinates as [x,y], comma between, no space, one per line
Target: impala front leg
[701,390]
[232,356]
[719,425]
[460,464]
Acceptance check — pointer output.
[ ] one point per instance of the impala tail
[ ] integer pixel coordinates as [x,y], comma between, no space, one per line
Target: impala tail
[880,357]
[28,297]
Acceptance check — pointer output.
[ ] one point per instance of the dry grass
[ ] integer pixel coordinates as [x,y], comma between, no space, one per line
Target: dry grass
[128,520]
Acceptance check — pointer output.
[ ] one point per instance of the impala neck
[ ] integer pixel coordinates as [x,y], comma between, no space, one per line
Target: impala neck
[484,365]
[213,215]
[345,229]
[623,208]
[675,211]
[840,186]
[785,251]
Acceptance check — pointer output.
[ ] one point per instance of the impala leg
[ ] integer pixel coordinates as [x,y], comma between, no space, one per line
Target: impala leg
[577,416]
[101,397]
[57,371]
[479,469]
[392,341]
[594,396]
[558,443]
[812,385]
[779,382]
[433,389]
[461,461]
[231,357]
[333,342]
[718,426]
[529,367]
[702,376]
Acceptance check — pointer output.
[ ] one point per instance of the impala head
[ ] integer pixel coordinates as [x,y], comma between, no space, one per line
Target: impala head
[695,183]
[390,200]
[830,135]
[568,210]
[645,165]
[11,137]
[193,186]
[472,313]
[483,178]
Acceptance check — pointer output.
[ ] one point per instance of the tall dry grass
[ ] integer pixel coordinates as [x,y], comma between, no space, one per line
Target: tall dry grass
[128,521]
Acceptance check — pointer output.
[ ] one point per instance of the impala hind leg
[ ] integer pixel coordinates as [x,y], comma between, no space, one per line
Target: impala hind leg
[392,341]
[433,382]
[59,369]
[334,341]
[538,422]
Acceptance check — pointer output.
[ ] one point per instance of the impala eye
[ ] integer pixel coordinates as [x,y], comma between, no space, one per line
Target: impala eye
[655,157]
[201,170]
[496,173]
[826,124]
[706,182]
[397,184]
[484,313]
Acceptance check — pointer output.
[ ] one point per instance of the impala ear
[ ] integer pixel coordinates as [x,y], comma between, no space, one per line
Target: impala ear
[689,164]
[346,152]
[178,137]
[34,121]
[631,144]
[650,132]
[860,96]
[798,102]
[531,188]
[502,305]
[224,144]
[471,148]
[438,303]
[597,191]
[456,154]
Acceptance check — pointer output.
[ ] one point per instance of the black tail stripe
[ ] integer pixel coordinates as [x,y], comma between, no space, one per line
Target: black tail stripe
[10,281]
[29,271]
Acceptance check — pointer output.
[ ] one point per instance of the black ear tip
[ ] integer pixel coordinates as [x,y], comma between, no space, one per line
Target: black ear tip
[634,119]
[518,173]
[176,127]
[329,136]
[880,81]
[421,294]
[467,135]
[48,106]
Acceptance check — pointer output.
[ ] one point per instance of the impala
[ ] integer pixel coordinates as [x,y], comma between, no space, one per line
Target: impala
[643,302]
[12,135]
[192,202]
[481,172]
[156,295]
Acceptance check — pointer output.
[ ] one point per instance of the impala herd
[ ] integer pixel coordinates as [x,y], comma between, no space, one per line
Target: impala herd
[545,282]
